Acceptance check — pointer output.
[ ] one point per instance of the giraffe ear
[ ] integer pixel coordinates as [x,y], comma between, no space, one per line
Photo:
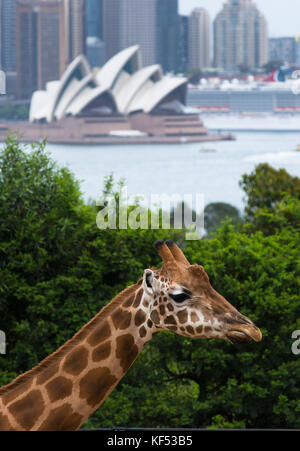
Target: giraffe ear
[148,279]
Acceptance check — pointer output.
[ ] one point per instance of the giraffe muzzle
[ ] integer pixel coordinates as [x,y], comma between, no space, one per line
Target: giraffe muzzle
[244,335]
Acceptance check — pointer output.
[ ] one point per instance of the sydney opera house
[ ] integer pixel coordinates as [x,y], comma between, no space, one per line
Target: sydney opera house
[121,87]
[120,102]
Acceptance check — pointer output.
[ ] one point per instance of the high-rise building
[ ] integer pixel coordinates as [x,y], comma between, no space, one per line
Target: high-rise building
[95,51]
[283,49]
[199,39]
[8,34]
[240,36]
[75,26]
[111,23]
[183,44]
[167,33]
[94,18]
[127,23]
[152,24]
[8,43]
[40,44]
[138,26]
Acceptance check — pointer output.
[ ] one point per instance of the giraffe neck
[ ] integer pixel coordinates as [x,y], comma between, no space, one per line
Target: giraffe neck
[68,386]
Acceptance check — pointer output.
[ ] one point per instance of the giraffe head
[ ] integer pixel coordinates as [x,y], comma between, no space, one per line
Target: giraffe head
[183,300]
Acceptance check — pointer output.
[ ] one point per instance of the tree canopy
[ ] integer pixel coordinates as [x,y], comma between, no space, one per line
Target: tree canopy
[58,269]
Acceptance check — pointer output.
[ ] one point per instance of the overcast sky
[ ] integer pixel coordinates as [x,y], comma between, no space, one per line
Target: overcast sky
[283,16]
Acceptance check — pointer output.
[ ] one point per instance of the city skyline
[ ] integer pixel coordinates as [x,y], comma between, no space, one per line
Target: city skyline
[46,37]
[274,12]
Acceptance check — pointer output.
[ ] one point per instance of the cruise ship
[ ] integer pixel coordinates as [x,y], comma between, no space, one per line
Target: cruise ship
[245,96]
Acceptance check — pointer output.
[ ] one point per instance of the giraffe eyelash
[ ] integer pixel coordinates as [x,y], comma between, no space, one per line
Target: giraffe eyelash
[181,297]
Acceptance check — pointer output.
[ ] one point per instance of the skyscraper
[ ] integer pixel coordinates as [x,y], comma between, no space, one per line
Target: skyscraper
[8,34]
[153,24]
[283,49]
[8,43]
[40,44]
[95,51]
[167,34]
[111,10]
[94,18]
[75,28]
[240,32]
[183,44]
[199,39]
[138,26]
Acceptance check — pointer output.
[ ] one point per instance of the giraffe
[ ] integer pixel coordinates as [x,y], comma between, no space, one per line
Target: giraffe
[69,385]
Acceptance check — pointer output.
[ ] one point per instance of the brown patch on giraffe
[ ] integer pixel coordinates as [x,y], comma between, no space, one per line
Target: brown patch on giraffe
[138,297]
[146,303]
[154,316]
[126,351]
[28,409]
[190,330]
[155,303]
[165,299]
[59,388]
[194,317]
[76,361]
[139,317]
[162,309]
[170,307]
[16,392]
[143,332]
[101,333]
[62,418]
[95,385]
[149,323]
[128,302]
[182,329]
[121,319]
[199,330]
[47,373]
[170,320]
[101,352]
[207,329]
[182,316]
[5,424]
[173,328]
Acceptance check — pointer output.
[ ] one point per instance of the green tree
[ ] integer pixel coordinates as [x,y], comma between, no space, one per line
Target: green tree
[266,186]
[216,213]
[58,269]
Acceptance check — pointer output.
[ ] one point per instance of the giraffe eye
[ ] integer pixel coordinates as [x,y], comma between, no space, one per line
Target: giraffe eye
[181,297]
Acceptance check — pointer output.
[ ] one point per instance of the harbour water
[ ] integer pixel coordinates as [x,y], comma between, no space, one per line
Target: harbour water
[212,169]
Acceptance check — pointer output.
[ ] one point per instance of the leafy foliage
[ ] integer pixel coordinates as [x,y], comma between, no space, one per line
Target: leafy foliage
[10,112]
[266,186]
[58,269]
[217,212]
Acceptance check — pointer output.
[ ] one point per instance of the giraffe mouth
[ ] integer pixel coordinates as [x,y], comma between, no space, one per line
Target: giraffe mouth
[237,338]
[244,336]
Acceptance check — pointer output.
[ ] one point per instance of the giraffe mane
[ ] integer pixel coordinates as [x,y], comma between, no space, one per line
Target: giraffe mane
[68,345]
